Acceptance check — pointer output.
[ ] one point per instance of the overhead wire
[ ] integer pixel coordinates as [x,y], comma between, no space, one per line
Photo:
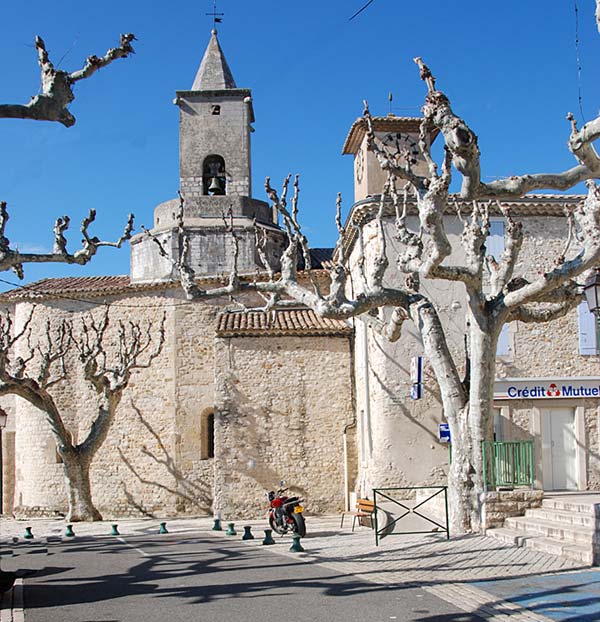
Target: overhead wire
[578,58]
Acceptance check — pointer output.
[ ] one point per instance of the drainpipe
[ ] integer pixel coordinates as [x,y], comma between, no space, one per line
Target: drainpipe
[367,404]
[366,444]
[346,478]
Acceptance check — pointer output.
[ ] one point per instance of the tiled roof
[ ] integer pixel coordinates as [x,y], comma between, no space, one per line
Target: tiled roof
[283,322]
[380,124]
[71,286]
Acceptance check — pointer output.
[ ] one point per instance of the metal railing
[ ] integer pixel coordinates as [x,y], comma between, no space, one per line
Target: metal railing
[396,503]
[508,463]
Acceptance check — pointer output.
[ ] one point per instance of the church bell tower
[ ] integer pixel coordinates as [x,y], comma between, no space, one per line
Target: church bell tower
[214,133]
[215,125]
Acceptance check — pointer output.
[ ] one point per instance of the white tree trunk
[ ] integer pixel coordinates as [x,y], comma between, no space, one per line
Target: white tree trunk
[77,483]
[471,428]
[461,493]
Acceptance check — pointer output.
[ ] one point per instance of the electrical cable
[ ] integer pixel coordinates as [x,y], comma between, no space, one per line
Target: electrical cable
[578,57]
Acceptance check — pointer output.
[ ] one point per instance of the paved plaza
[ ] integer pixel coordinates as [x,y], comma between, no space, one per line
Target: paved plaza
[480,575]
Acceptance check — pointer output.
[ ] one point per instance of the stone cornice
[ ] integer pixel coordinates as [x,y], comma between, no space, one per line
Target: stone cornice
[530,205]
[389,123]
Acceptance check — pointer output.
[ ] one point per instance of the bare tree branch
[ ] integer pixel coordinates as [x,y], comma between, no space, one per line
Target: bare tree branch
[463,145]
[57,85]
[14,259]
[533,313]
[587,219]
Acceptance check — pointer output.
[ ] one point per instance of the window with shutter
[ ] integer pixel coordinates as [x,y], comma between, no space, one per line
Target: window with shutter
[588,330]
[503,346]
[494,245]
[495,242]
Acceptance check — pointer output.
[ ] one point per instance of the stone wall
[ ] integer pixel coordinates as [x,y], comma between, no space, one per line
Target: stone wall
[496,506]
[398,437]
[289,426]
[211,250]
[8,472]
[227,134]
[149,463]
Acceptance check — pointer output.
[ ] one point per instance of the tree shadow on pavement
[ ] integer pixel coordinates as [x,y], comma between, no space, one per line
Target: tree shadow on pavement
[199,571]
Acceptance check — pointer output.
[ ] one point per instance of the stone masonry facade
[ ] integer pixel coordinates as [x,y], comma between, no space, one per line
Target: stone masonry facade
[155,460]
[398,437]
[287,428]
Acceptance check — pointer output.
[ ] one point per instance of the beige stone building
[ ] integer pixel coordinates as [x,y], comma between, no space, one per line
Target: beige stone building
[548,378]
[238,400]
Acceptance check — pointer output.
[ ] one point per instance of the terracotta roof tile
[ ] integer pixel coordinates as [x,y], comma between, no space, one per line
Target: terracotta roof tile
[71,286]
[285,322]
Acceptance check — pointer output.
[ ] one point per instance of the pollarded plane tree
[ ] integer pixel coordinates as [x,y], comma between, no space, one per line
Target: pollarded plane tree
[494,294]
[34,363]
[51,104]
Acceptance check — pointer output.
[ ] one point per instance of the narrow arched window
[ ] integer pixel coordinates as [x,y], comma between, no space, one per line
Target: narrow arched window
[207,436]
[213,175]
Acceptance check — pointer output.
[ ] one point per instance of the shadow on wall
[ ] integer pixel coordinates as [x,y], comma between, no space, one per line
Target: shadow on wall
[191,495]
[400,402]
[245,447]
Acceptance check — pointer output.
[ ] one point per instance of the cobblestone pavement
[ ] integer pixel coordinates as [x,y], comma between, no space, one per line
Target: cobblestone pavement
[467,571]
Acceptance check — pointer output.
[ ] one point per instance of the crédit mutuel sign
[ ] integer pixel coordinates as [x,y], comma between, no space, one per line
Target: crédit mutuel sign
[546,388]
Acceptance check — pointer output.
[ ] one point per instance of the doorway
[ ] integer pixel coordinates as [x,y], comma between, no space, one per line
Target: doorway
[559,449]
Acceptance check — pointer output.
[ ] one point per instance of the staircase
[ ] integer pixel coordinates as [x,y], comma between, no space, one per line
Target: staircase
[565,525]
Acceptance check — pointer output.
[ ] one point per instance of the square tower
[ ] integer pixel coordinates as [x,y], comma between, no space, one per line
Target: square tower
[215,120]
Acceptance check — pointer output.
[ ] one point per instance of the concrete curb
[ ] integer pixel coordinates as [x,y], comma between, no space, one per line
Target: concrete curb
[11,607]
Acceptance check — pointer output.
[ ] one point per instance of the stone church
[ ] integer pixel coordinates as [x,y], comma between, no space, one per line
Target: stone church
[238,399]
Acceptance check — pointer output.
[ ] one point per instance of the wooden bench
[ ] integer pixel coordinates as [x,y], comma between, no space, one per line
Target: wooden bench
[364,509]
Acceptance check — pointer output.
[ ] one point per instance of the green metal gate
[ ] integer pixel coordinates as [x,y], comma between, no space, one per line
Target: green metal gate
[508,463]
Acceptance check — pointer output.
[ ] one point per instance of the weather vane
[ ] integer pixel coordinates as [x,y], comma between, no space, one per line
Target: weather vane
[216,16]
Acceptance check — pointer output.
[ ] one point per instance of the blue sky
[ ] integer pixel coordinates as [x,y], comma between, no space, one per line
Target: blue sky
[509,68]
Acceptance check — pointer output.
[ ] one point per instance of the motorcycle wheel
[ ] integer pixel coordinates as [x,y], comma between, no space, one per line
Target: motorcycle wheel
[277,528]
[299,525]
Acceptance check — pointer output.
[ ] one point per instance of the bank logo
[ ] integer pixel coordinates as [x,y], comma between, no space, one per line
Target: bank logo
[551,391]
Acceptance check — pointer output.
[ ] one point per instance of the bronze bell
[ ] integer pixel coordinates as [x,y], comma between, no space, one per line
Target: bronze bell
[216,187]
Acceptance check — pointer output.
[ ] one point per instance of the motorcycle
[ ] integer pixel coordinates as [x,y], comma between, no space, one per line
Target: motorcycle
[285,513]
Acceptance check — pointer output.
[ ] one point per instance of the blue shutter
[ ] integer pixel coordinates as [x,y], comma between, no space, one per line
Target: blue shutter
[495,246]
[588,340]
[495,242]
[503,349]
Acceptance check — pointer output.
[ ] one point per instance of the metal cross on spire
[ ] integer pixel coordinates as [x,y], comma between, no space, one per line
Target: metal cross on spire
[216,16]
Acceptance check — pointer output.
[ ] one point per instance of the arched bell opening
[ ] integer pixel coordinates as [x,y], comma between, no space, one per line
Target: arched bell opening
[213,176]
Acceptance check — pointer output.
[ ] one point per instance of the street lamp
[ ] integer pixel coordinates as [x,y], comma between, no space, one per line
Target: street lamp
[591,289]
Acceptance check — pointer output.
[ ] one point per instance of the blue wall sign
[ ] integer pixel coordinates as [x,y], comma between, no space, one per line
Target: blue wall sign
[444,432]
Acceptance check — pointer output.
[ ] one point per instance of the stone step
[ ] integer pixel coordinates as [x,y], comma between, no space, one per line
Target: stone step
[576,552]
[571,506]
[551,529]
[560,516]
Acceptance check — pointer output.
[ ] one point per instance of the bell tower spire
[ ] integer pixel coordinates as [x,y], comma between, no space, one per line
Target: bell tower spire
[214,73]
